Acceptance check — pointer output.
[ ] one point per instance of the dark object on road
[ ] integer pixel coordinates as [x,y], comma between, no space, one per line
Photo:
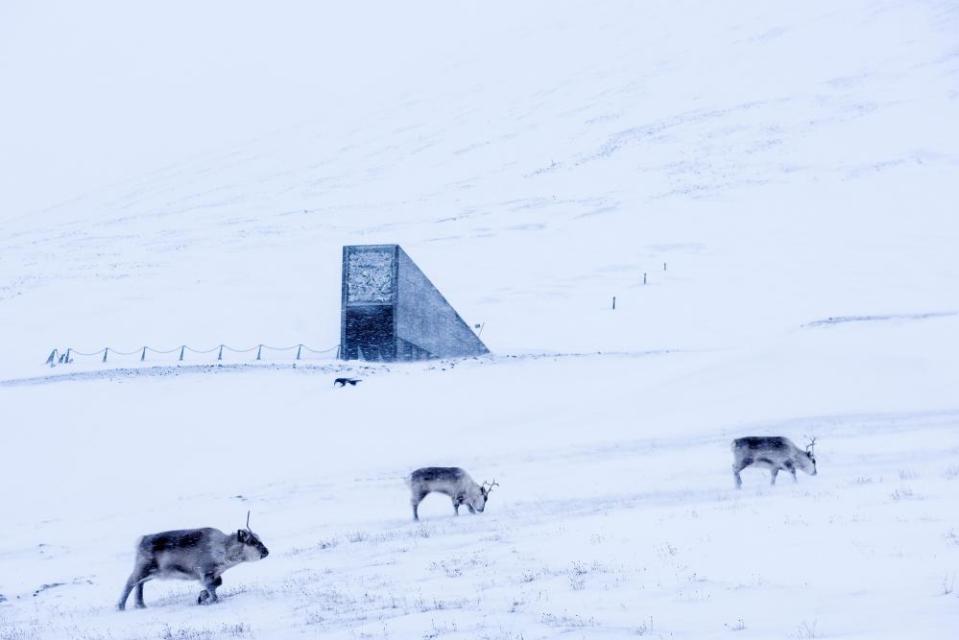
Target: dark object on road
[345,381]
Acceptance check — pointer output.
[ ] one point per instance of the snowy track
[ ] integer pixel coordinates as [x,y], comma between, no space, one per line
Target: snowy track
[110,373]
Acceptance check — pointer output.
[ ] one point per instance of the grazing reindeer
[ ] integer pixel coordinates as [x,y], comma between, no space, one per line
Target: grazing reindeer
[452,481]
[773,453]
[342,382]
[191,554]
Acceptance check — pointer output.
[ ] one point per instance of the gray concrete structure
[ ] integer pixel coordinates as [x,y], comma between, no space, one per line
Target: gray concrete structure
[391,310]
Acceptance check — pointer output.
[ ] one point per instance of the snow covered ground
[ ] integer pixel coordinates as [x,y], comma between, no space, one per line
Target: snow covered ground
[792,166]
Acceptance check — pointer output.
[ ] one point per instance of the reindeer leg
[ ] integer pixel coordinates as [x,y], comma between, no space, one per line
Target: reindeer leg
[127,588]
[792,469]
[139,594]
[415,500]
[210,582]
[205,594]
[140,575]
[739,466]
[773,472]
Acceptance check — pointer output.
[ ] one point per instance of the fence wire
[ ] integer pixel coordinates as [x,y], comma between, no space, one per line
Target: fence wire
[69,355]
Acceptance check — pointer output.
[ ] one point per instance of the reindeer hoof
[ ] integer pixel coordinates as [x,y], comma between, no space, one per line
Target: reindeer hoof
[204,597]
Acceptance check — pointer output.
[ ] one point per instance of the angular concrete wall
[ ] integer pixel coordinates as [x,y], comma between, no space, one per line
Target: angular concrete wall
[391,310]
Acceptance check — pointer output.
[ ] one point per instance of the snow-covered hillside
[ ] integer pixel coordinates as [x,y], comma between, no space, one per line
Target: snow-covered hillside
[782,176]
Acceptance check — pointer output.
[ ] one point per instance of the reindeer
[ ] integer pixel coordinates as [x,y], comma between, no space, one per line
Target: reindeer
[774,453]
[452,481]
[191,554]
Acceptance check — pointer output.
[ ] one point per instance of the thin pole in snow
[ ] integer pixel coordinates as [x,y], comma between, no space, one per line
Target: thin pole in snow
[644,278]
[614,303]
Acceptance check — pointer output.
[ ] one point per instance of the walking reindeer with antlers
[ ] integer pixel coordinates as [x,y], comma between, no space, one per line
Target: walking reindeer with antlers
[191,554]
[773,453]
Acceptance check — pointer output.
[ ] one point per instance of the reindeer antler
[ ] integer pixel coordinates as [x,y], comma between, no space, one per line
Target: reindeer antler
[248,521]
[489,488]
[812,443]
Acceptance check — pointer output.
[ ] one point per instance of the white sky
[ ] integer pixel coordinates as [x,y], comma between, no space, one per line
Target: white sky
[97,91]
